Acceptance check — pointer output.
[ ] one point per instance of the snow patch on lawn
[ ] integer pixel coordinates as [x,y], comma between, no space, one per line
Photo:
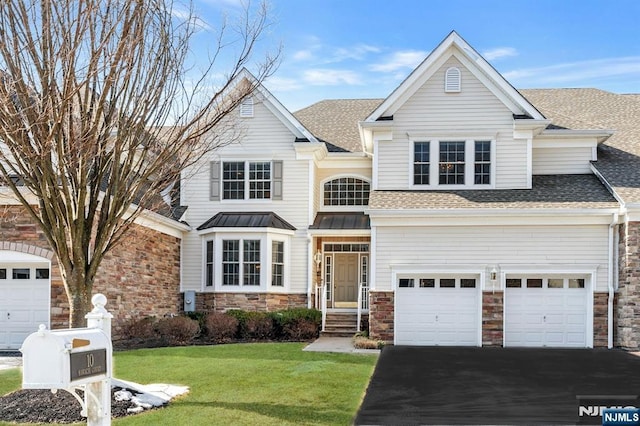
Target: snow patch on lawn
[146,396]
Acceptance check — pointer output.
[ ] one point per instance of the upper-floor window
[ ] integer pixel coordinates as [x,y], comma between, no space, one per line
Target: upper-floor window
[346,191]
[246,180]
[453,163]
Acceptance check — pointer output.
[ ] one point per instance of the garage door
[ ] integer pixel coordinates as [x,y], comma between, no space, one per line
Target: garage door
[549,312]
[437,312]
[24,302]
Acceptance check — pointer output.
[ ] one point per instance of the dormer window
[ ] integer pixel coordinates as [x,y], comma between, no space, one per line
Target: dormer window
[246,107]
[452,80]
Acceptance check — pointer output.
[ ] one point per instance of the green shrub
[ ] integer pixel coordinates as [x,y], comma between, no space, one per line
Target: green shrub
[221,327]
[140,329]
[177,330]
[297,323]
[200,317]
[259,326]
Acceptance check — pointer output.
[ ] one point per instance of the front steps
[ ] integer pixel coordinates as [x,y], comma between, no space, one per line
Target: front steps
[342,324]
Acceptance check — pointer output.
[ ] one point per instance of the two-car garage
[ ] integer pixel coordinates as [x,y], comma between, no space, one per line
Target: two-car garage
[539,310]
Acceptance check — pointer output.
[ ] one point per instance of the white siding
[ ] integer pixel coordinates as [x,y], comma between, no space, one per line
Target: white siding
[265,138]
[489,245]
[431,111]
[554,161]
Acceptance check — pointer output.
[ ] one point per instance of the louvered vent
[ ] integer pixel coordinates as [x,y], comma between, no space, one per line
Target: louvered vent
[246,108]
[452,80]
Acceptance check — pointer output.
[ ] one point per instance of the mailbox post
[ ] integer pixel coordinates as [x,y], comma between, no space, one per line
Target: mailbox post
[74,359]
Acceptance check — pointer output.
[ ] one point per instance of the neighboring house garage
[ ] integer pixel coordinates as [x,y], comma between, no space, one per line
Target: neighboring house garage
[24,296]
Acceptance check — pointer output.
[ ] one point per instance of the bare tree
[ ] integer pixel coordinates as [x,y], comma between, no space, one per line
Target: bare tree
[100,111]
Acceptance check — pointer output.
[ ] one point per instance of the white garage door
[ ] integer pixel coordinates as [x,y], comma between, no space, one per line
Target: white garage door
[437,312]
[24,302]
[549,312]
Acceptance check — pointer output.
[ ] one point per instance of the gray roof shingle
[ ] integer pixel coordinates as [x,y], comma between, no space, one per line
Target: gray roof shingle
[548,192]
[619,157]
[335,121]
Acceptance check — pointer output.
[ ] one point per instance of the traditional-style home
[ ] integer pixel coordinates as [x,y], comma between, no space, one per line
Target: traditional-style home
[456,211]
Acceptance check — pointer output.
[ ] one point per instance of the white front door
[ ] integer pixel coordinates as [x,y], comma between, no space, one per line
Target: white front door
[437,312]
[24,301]
[546,312]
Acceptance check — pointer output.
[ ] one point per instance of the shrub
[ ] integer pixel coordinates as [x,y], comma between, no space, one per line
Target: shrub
[259,325]
[364,342]
[221,327]
[301,329]
[200,317]
[177,330]
[140,329]
[241,316]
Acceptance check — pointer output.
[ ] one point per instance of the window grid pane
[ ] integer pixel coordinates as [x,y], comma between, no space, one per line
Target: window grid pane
[233,180]
[421,155]
[482,175]
[260,180]
[21,274]
[251,262]
[230,262]
[346,191]
[209,265]
[452,163]
[277,263]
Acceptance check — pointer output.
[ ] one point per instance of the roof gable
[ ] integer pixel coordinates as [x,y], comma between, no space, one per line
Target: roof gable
[454,45]
[278,110]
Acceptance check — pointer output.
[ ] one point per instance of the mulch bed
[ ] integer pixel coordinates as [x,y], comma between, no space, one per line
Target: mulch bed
[42,406]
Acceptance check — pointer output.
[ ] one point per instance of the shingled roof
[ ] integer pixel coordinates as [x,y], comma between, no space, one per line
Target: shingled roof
[335,121]
[619,157]
[548,192]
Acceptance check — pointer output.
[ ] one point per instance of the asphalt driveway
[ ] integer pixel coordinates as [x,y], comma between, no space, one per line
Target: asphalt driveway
[440,385]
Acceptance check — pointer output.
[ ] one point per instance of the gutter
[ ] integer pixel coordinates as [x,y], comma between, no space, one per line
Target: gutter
[610,284]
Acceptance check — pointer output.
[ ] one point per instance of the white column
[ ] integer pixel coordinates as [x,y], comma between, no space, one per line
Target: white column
[99,408]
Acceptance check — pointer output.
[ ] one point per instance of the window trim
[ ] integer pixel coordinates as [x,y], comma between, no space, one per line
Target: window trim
[217,180]
[469,162]
[324,208]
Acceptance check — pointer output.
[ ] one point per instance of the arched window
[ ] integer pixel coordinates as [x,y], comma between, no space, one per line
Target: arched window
[346,191]
[452,80]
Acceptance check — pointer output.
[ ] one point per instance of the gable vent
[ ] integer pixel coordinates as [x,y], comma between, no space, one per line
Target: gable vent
[452,80]
[246,107]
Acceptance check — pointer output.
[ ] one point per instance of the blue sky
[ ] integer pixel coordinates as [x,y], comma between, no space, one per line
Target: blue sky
[364,49]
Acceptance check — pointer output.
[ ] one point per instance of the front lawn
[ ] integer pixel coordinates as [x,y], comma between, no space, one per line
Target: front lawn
[244,384]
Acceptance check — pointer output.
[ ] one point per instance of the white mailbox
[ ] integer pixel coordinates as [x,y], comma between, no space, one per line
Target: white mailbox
[61,359]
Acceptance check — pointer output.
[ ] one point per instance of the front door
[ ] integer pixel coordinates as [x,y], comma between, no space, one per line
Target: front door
[346,280]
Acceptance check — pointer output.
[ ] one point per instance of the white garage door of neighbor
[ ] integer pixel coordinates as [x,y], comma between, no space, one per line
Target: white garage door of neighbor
[24,302]
[546,312]
[437,312]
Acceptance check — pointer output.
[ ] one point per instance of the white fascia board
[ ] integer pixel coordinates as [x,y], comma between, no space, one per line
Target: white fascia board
[241,230]
[633,213]
[351,161]
[564,142]
[162,224]
[598,135]
[370,131]
[340,232]
[315,151]
[533,126]
[496,218]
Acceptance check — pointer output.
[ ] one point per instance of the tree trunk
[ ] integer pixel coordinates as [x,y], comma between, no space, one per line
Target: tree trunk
[79,294]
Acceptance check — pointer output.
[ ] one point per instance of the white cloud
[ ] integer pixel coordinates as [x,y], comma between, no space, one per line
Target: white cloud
[499,52]
[577,73]
[282,84]
[399,60]
[329,77]
[357,52]
[302,55]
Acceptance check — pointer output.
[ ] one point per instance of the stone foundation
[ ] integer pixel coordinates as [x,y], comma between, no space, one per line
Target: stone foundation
[600,326]
[381,315]
[627,313]
[261,302]
[492,318]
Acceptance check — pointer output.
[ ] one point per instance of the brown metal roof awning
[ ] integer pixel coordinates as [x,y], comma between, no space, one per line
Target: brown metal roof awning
[247,220]
[341,220]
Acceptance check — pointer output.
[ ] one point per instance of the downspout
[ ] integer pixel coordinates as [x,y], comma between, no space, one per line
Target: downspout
[610,283]
[309,271]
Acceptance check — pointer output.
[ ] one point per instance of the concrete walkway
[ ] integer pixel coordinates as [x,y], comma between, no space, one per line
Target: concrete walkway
[337,344]
[7,362]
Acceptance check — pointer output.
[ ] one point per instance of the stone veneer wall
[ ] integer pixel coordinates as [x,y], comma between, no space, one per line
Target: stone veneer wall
[140,277]
[262,302]
[381,314]
[627,313]
[600,330]
[492,318]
